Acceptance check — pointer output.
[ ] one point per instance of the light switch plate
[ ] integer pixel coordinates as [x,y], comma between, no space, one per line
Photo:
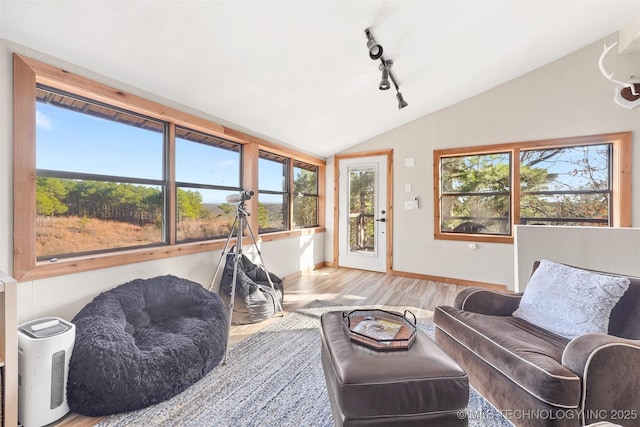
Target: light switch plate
[407,188]
[408,204]
[410,162]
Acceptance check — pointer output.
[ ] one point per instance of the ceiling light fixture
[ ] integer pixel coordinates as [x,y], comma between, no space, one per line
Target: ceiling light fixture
[375,53]
[401,102]
[375,50]
[385,68]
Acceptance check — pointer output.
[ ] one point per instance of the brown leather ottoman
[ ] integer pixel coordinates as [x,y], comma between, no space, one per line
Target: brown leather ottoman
[416,387]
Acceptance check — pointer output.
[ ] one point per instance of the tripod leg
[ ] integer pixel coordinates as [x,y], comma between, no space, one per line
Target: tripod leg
[237,257]
[273,288]
[232,298]
[222,255]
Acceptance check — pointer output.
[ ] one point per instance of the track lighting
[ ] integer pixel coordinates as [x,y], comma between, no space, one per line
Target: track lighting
[375,50]
[375,53]
[401,102]
[384,67]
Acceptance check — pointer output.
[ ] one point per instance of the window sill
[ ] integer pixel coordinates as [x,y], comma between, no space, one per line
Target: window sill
[470,237]
[46,269]
[277,235]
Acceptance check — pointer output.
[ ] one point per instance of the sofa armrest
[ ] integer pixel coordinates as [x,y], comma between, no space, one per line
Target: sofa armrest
[608,366]
[485,301]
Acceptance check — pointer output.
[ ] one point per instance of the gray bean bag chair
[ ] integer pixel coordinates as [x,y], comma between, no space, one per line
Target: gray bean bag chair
[144,342]
[254,301]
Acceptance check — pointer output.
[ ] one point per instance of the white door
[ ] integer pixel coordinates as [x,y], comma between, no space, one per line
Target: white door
[362,228]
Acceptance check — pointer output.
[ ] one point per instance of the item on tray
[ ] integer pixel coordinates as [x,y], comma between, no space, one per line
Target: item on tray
[380,329]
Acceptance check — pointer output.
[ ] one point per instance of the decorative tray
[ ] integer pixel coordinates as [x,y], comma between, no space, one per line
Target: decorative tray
[380,329]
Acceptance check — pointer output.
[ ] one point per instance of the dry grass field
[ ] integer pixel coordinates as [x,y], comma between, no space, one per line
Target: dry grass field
[64,235]
[61,235]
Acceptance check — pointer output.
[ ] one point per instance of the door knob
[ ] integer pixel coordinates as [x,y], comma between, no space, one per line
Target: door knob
[382,220]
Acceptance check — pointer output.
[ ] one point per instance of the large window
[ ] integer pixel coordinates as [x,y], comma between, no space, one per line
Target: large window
[207,170]
[273,198]
[305,195]
[567,186]
[476,193]
[101,182]
[483,191]
[283,206]
[104,178]
[99,175]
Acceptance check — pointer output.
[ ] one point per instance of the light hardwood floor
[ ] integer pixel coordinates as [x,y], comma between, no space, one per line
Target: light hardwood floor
[346,287]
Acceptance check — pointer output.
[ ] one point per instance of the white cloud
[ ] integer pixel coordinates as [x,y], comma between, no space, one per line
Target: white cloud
[42,121]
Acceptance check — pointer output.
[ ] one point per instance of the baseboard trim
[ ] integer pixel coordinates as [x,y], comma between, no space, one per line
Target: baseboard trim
[449,280]
[299,273]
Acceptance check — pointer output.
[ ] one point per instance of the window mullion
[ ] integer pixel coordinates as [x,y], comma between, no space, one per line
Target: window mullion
[171,191]
[622,161]
[290,185]
[250,155]
[515,188]
[95,177]
[477,193]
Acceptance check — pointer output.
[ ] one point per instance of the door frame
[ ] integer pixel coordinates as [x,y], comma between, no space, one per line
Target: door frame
[336,202]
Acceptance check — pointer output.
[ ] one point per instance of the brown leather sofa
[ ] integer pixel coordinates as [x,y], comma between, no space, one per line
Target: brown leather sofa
[538,378]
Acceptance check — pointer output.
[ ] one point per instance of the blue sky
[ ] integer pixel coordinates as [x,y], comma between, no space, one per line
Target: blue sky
[72,142]
[571,169]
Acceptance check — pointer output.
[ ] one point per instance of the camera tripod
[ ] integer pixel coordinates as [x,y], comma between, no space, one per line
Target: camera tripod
[239,225]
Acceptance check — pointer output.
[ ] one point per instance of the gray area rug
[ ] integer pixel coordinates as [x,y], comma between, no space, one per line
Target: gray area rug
[273,378]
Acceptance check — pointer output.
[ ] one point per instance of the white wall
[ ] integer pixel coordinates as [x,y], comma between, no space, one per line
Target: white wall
[64,296]
[614,250]
[568,97]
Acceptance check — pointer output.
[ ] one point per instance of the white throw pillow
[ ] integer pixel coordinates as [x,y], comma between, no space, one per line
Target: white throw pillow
[570,301]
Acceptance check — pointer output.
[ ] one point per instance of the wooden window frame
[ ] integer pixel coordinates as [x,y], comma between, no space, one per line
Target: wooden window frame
[285,192]
[27,73]
[220,144]
[293,194]
[621,163]
[123,118]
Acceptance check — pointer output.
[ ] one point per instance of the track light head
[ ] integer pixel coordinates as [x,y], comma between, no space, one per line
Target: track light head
[401,102]
[384,83]
[384,67]
[375,50]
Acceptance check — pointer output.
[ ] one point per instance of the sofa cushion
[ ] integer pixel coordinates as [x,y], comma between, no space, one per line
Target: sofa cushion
[570,301]
[528,355]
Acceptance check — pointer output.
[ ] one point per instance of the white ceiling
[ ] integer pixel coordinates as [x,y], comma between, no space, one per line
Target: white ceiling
[298,72]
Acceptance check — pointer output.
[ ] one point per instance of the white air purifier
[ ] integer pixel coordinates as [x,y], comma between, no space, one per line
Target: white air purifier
[44,350]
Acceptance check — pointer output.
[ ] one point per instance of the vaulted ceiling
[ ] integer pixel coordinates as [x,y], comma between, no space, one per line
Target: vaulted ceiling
[298,72]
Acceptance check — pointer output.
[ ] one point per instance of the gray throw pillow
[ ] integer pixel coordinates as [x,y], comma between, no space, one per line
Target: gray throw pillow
[570,301]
